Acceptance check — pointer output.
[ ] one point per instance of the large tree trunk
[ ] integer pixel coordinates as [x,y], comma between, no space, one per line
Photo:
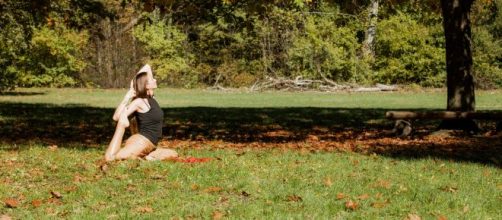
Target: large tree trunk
[460,82]
[457,29]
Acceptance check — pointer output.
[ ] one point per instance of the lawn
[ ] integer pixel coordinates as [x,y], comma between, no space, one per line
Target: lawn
[274,155]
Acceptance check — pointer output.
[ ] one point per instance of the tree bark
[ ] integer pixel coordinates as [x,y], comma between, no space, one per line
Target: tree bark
[459,79]
[369,45]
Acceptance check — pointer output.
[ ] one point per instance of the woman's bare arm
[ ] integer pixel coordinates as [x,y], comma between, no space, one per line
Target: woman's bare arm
[120,108]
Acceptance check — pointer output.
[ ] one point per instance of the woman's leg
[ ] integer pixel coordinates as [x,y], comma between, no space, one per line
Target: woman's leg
[116,141]
[136,146]
[162,154]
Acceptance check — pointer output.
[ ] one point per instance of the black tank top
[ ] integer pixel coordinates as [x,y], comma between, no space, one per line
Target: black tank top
[150,122]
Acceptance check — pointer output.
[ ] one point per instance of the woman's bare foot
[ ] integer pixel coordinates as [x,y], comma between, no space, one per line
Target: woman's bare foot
[161,154]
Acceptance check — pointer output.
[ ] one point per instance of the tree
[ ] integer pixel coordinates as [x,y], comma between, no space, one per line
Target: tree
[460,81]
[457,29]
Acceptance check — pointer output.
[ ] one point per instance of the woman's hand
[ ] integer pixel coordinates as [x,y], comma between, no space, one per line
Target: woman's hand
[130,94]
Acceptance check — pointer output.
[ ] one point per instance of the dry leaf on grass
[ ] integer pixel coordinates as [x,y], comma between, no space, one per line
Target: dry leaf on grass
[245,194]
[413,217]
[442,217]
[294,198]
[340,196]
[328,182]
[53,147]
[363,196]
[379,205]
[36,203]
[144,209]
[212,189]
[56,194]
[351,205]
[217,215]
[11,203]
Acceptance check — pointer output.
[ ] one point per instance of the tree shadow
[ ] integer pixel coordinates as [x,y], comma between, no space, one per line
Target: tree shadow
[21,93]
[80,125]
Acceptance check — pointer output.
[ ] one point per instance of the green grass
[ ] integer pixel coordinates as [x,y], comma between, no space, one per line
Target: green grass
[282,184]
[486,100]
[429,188]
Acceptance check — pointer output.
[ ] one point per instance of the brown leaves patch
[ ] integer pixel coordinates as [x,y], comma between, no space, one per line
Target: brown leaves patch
[11,202]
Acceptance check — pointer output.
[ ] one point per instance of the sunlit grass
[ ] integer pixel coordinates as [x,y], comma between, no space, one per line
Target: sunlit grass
[486,100]
[248,184]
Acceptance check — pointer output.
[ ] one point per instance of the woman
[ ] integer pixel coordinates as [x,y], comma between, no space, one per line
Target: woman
[149,118]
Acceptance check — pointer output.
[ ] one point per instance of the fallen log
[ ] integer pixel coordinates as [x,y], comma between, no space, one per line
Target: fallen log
[443,115]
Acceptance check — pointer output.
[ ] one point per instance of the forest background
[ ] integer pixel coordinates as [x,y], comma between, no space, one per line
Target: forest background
[232,43]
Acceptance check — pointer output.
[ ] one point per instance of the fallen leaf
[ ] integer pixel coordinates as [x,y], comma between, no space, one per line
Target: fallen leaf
[194,187]
[11,203]
[36,203]
[363,196]
[442,217]
[245,194]
[144,209]
[328,182]
[212,189]
[5,217]
[466,209]
[53,147]
[449,189]
[413,217]
[217,215]
[380,204]
[351,205]
[340,196]
[294,198]
[56,194]
[55,201]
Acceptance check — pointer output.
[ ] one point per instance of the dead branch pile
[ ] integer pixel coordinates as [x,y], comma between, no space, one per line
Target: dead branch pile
[325,85]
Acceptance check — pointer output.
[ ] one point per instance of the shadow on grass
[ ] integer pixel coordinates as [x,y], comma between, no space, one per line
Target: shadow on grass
[21,93]
[73,125]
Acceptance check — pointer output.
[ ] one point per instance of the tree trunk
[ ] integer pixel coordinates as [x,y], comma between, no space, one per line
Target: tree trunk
[460,82]
[369,45]
[457,29]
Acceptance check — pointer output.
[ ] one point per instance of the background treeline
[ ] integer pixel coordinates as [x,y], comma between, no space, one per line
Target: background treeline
[232,43]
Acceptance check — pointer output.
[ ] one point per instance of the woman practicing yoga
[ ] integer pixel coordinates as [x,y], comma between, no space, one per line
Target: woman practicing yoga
[149,117]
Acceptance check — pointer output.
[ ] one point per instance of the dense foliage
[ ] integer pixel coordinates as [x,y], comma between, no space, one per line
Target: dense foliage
[235,43]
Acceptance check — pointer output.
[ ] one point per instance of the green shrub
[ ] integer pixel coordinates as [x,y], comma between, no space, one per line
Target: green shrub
[55,57]
[324,48]
[408,52]
[487,55]
[165,45]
